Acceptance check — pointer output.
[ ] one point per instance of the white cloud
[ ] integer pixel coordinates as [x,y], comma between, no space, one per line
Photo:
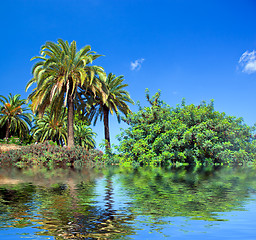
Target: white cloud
[136,65]
[248,62]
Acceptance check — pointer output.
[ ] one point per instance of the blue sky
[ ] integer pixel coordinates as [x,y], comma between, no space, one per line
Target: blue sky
[188,49]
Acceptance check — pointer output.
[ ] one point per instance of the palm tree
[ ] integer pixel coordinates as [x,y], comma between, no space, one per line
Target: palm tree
[84,136]
[116,101]
[13,116]
[51,127]
[59,75]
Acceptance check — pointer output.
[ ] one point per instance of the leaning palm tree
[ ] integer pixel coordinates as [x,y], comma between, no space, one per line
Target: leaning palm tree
[59,75]
[13,115]
[51,127]
[116,101]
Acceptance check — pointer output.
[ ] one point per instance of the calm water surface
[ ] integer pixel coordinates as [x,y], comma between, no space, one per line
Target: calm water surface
[128,203]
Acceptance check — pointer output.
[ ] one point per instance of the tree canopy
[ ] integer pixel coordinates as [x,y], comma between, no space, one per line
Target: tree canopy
[187,134]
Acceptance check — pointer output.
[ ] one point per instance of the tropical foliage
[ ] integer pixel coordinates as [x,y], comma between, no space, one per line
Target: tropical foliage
[51,127]
[54,127]
[115,102]
[60,73]
[70,93]
[84,136]
[160,134]
[13,115]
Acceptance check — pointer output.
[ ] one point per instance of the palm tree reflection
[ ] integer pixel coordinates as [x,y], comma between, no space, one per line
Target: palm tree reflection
[94,222]
[64,209]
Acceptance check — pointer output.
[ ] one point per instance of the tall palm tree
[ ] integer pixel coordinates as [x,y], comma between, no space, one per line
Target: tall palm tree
[13,115]
[116,101]
[59,75]
[51,127]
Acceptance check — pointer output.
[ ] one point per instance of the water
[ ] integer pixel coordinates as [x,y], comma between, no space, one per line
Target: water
[128,203]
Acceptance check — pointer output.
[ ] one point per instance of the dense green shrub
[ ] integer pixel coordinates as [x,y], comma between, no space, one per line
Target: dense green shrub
[11,140]
[49,154]
[187,134]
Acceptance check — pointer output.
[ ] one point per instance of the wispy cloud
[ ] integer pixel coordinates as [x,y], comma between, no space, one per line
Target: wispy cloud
[248,62]
[136,65]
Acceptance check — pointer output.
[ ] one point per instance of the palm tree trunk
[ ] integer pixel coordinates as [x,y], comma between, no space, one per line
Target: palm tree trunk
[7,130]
[106,126]
[70,121]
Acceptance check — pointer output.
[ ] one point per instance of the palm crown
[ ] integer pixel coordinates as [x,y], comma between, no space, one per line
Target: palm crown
[13,115]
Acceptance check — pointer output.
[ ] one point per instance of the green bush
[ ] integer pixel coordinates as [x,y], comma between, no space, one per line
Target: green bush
[160,134]
[48,154]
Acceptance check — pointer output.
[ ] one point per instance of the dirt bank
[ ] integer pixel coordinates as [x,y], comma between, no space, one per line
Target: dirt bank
[8,147]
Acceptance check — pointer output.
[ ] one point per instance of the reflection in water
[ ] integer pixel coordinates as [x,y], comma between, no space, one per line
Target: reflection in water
[119,203]
[92,221]
[198,194]
[109,200]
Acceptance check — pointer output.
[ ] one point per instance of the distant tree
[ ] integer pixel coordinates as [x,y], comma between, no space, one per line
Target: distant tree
[116,101]
[59,75]
[13,115]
